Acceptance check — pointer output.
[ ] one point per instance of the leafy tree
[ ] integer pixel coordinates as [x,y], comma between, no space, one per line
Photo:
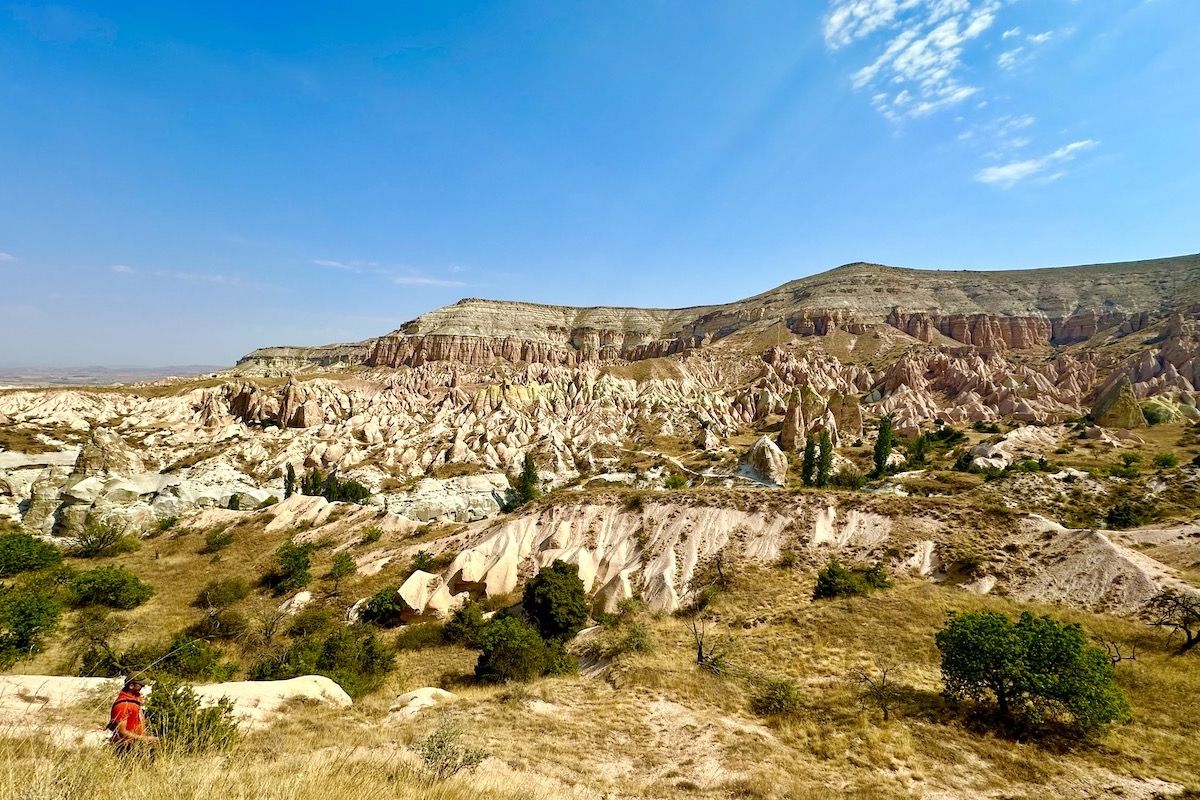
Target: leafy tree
[102,538]
[1036,670]
[27,617]
[175,715]
[556,602]
[293,568]
[343,567]
[528,486]
[883,444]
[824,459]
[289,482]
[510,649]
[115,587]
[235,502]
[917,450]
[384,608]
[354,657]
[21,552]
[465,625]
[809,465]
[1124,514]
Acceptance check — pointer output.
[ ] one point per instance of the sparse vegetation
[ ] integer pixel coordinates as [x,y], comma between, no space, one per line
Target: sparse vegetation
[100,538]
[444,754]
[775,697]
[835,580]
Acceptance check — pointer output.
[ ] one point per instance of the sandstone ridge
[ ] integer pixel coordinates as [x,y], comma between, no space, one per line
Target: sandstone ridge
[990,310]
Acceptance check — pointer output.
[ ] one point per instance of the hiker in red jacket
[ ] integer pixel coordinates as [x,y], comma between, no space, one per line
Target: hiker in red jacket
[126,721]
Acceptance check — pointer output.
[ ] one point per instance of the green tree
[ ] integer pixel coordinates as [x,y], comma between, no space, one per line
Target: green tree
[175,715]
[114,587]
[809,465]
[883,444]
[511,650]
[556,602]
[293,568]
[1036,670]
[917,450]
[27,617]
[528,482]
[21,552]
[465,625]
[824,459]
[289,482]
[835,580]
[343,567]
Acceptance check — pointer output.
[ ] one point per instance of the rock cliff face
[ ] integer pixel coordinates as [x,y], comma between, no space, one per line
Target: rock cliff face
[991,311]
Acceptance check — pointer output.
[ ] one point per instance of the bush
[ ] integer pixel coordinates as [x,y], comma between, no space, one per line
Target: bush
[310,622]
[21,552]
[420,636]
[384,608]
[556,602]
[317,484]
[423,561]
[775,696]
[637,639]
[788,559]
[27,617]
[1166,461]
[293,568]
[676,481]
[114,587]
[221,623]
[465,625]
[216,540]
[836,580]
[848,478]
[444,755]
[186,656]
[175,716]
[343,567]
[372,534]
[353,657]
[511,650]
[164,524]
[221,593]
[102,538]
[270,501]
[1155,414]
[1124,515]
[1036,671]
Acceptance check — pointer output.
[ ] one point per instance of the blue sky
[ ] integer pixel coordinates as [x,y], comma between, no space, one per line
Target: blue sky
[183,182]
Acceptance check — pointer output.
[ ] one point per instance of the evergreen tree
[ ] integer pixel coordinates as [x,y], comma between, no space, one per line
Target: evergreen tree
[528,481]
[883,444]
[809,465]
[825,459]
[289,482]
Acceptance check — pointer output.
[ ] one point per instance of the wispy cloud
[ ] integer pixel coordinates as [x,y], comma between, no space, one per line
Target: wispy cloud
[349,266]
[424,280]
[919,70]
[122,269]
[6,257]
[1009,175]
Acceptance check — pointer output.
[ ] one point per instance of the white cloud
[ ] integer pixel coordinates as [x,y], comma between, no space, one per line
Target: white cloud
[918,71]
[1009,59]
[4,257]
[1041,38]
[1010,33]
[121,268]
[1009,175]
[422,280]
[351,266]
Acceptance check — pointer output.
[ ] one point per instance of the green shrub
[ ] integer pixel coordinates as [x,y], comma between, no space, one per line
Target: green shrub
[556,602]
[443,753]
[511,650]
[372,534]
[318,484]
[384,608]
[835,580]
[343,567]
[174,714]
[103,538]
[293,568]
[1035,671]
[216,540]
[423,561]
[420,636]
[235,502]
[1166,461]
[164,524]
[311,621]
[1155,414]
[270,501]
[774,697]
[1124,514]
[848,478]
[465,625]
[27,617]
[187,656]
[21,552]
[788,559]
[676,481]
[636,639]
[354,657]
[221,593]
[114,587]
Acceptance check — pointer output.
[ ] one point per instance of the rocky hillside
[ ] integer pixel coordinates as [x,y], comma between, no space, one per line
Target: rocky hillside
[991,310]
